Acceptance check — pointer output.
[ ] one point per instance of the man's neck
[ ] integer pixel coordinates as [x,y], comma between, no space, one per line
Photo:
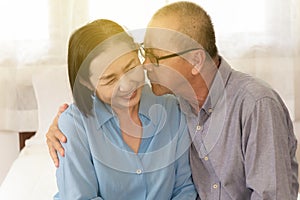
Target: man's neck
[202,85]
[217,61]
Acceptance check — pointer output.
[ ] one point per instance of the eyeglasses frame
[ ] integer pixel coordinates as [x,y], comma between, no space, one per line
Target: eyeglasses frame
[157,58]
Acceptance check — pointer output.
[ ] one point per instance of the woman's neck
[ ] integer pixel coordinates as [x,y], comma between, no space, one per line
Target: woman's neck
[127,113]
[131,127]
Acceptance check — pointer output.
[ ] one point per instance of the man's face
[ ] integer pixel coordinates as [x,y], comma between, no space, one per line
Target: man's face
[168,75]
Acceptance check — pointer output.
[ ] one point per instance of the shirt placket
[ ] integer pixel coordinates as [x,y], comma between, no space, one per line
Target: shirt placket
[201,131]
[140,177]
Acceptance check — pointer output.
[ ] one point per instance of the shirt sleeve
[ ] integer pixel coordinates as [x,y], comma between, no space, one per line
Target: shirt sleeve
[270,165]
[184,187]
[76,176]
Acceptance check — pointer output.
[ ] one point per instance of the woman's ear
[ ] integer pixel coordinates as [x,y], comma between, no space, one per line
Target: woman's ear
[198,60]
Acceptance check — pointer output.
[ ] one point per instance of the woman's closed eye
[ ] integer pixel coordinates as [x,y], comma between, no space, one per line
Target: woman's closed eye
[108,80]
[131,67]
[113,78]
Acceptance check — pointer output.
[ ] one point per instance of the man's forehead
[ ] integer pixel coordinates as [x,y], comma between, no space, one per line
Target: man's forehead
[167,39]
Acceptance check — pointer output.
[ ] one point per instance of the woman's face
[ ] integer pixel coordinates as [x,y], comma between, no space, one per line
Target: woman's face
[120,84]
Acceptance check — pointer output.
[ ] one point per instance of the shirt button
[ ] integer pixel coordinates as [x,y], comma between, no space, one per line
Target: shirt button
[215,186]
[198,128]
[206,158]
[138,171]
[210,110]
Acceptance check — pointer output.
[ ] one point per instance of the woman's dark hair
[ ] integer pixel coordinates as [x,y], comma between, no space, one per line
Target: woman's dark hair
[84,45]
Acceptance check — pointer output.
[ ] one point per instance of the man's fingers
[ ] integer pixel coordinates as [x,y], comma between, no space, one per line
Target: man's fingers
[59,135]
[54,141]
[57,146]
[55,137]
[54,156]
[62,108]
[62,138]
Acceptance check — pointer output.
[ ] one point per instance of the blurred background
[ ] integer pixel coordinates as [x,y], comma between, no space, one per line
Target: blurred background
[259,37]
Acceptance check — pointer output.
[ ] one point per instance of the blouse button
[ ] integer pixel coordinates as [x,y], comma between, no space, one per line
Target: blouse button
[198,128]
[215,186]
[138,171]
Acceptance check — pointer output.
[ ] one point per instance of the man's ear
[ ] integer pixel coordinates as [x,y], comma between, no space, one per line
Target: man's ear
[198,60]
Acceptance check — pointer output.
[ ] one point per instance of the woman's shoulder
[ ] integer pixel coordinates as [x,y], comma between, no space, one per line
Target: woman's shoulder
[71,112]
[71,117]
[73,124]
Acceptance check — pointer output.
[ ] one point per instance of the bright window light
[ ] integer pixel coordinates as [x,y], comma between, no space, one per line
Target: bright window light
[133,14]
[234,16]
[24,20]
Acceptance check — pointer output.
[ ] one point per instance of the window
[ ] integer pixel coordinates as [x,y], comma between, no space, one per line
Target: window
[24,20]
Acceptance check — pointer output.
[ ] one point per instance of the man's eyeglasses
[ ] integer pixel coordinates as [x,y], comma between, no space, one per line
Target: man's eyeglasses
[155,59]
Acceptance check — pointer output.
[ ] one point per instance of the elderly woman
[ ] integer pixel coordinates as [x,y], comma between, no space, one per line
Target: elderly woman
[123,141]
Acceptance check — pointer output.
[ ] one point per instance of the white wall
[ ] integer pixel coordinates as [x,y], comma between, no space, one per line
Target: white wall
[297,90]
[9,143]
[279,72]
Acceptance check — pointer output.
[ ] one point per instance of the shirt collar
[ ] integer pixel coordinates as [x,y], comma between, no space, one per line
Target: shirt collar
[104,112]
[216,90]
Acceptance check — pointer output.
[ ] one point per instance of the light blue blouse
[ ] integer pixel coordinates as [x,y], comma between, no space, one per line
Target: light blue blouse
[98,164]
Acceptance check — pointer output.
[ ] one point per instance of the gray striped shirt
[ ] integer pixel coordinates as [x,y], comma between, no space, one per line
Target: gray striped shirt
[243,141]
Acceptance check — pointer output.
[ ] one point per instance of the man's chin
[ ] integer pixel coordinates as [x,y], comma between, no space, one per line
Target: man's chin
[160,90]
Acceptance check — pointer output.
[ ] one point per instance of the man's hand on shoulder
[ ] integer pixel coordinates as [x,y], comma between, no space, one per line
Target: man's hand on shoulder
[55,137]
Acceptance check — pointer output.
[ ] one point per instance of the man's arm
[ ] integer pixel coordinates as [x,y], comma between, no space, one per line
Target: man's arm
[270,165]
[55,137]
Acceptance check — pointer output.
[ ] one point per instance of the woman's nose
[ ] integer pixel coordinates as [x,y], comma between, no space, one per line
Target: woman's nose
[126,84]
[133,78]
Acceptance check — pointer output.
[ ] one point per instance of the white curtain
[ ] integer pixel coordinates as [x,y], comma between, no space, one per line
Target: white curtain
[34,35]
[260,37]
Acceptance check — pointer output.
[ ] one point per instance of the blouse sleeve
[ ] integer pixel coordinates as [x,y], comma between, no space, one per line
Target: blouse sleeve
[76,176]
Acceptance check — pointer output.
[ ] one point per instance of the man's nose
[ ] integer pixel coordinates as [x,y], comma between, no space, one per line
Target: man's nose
[148,65]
